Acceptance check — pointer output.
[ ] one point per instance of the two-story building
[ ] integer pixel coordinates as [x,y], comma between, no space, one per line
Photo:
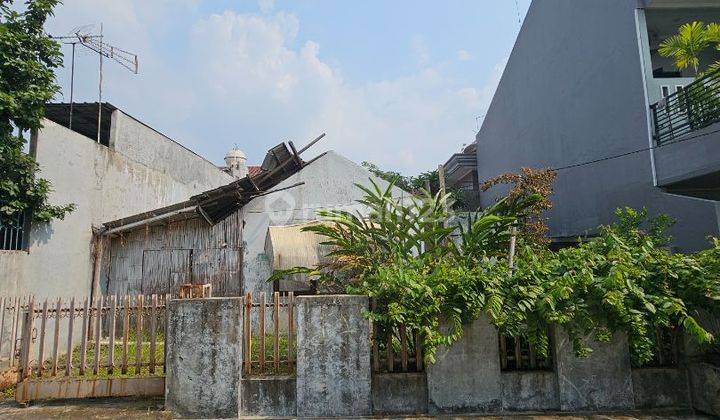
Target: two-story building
[586,92]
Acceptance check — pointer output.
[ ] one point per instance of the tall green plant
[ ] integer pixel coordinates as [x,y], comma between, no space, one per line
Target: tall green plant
[685,46]
[28,58]
[622,281]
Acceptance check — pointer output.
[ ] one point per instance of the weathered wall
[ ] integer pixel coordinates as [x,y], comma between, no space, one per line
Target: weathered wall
[601,381]
[203,357]
[660,387]
[399,393]
[530,391]
[329,183]
[466,375]
[705,387]
[160,258]
[105,184]
[573,91]
[273,396]
[333,358]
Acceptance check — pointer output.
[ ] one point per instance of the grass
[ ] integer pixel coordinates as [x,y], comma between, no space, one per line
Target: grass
[104,349]
[269,369]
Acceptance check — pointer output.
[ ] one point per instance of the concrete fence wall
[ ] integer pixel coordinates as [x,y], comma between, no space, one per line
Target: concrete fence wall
[334,379]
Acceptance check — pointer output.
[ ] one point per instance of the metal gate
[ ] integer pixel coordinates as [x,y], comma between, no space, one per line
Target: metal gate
[75,348]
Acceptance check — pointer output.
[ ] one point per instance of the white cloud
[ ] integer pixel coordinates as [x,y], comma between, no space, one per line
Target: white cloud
[244,78]
[463,55]
[266,6]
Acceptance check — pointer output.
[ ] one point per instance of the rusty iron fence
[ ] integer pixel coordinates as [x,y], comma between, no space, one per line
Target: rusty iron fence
[517,353]
[269,335]
[74,348]
[397,349]
[10,318]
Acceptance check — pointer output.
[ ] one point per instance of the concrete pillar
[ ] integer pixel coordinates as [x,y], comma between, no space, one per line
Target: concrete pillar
[466,376]
[333,356]
[203,357]
[601,381]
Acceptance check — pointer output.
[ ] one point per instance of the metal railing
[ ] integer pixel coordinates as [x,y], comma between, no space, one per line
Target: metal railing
[692,108]
[12,236]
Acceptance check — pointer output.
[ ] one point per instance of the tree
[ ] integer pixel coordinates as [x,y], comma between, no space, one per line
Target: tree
[685,46]
[28,58]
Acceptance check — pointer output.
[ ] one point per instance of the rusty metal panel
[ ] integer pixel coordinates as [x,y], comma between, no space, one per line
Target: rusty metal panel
[62,388]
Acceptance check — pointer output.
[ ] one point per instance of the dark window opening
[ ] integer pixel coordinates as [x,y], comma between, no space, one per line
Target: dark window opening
[12,236]
[516,353]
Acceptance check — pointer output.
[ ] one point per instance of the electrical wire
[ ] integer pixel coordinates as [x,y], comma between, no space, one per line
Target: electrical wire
[645,149]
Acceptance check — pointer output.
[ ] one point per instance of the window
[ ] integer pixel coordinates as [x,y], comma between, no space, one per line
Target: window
[12,237]
[665,91]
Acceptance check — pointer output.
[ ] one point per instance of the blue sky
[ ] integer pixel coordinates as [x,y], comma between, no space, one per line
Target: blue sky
[398,83]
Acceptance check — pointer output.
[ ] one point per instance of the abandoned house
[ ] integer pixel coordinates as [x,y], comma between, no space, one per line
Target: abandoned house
[124,168]
[152,215]
[233,237]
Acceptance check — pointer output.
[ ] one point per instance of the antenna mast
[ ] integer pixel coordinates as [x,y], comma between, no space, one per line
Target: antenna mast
[95,43]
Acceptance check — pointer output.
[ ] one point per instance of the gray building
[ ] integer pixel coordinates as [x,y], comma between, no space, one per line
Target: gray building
[129,168]
[580,92]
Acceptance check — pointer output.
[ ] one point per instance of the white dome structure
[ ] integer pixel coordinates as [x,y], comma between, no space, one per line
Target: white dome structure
[236,162]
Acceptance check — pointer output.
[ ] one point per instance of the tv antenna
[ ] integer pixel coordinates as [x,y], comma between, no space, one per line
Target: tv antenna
[95,43]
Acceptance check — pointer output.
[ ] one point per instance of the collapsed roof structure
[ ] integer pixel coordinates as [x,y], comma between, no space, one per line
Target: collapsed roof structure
[215,205]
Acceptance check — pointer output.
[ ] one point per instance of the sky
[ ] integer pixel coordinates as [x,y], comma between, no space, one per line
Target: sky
[398,83]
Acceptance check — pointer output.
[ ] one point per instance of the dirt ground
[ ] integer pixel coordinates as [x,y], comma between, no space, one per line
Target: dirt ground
[135,408]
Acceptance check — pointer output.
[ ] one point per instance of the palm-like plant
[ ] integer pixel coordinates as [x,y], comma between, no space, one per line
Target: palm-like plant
[686,45]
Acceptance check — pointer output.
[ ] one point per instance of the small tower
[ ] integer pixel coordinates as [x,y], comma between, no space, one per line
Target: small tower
[235,161]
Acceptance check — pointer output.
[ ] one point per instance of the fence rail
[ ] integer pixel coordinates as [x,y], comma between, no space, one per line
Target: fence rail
[397,349]
[519,354]
[269,350]
[692,108]
[114,336]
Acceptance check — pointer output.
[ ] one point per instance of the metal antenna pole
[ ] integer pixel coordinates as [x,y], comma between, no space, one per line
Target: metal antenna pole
[72,83]
[100,84]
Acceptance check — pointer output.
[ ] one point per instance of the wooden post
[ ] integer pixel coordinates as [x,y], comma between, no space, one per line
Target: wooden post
[389,354]
[441,181]
[111,335]
[98,327]
[41,352]
[518,355]
[418,352]
[56,338]
[26,349]
[14,327]
[126,335]
[153,333]
[84,338]
[276,331]
[511,254]
[247,334]
[167,321]
[139,333]
[69,350]
[97,265]
[403,348]
[262,332]
[291,327]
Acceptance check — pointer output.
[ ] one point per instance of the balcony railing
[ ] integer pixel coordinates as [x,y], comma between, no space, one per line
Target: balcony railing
[692,108]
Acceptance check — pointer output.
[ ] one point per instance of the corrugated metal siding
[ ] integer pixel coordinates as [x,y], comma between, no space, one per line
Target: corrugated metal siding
[157,259]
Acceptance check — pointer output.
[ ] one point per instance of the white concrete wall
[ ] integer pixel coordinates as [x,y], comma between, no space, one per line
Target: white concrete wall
[329,183]
[142,171]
